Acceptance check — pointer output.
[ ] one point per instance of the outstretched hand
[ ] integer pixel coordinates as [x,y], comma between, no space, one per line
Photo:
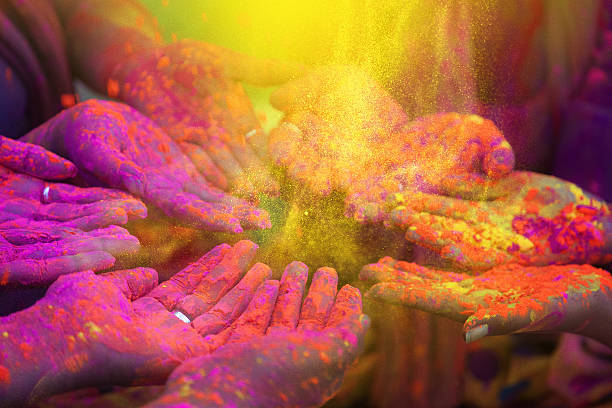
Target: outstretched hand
[190,89]
[114,145]
[299,362]
[528,218]
[506,299]
[113,329]
[341,130]
[49,229]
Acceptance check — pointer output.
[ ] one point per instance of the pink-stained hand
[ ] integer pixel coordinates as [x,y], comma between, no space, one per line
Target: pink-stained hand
[299,362]
[191,90]
[527,218]
[503,300]
[113,329]
[342,131]
[34,160]
[49,229]
[114,145]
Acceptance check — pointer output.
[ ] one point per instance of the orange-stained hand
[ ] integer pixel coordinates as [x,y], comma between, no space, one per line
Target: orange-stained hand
[503,300]
[343,131]
[529,218]
[190,90]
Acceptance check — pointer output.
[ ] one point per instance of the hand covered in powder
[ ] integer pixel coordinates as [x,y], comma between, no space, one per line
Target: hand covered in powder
[528,218]
[34,160]
[503,300]
[301,360]
[343,131]
[191,90]
[114,145]
[49,229]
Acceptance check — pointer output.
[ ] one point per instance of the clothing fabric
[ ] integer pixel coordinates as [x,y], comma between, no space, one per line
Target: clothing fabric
[32,47]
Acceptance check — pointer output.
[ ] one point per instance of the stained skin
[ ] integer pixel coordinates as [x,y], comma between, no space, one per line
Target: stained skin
[114,145]
[48,228]
[525,218]
[118,328]
[191,90]
[342,131]
[503,300]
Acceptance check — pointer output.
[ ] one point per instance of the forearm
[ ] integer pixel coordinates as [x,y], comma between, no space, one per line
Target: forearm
[104,33]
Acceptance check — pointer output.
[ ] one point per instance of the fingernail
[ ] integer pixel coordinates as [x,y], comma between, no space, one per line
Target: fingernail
[477,333]
[365,321]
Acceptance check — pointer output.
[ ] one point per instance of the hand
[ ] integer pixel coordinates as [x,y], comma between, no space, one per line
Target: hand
[343,131]
[300,362]
[530,218]
[93,330]
[50,229]
[506,299]
[113,144]
[190,90]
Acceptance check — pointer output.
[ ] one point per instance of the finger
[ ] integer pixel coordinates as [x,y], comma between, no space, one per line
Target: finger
[250,217]
[256,318]
[259,71]
[219,281]
[298,94]
[233,303]
[65,193]
[67,212]
[288,304]
[47,231]
[109,165]
[347,307]
[466,244]
[133,283]
[191,210]
[320,299]
[424,296]
[383,273]
[44,271]
[170,292]
[284,142]
[204,164]
[34,160]
[486,322]
[117,242]
[258,139]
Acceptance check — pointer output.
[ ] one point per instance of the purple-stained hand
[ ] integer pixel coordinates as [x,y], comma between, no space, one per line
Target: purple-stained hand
[296,368]
[113,329]
[527,218]
[190,89]
[49,229]
[114,145]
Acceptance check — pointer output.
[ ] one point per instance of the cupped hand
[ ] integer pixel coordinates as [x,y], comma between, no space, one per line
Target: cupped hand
[528,218]
[114,145]
[49,229]
[503,300]
[343,131]
[299,362]
[191,90]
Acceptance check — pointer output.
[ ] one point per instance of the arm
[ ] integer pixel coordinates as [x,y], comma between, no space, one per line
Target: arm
[93,29]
